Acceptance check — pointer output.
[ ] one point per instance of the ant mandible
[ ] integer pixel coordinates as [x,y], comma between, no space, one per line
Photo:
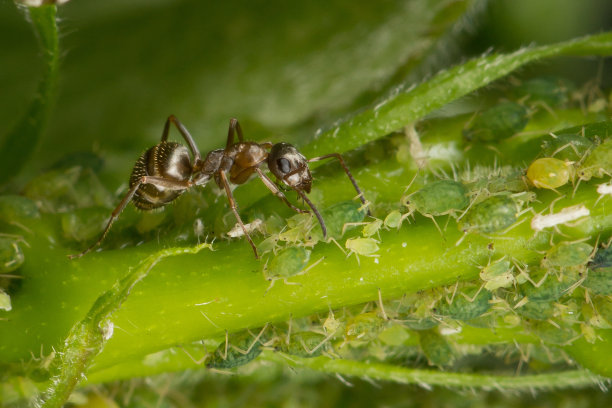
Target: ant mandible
[165,171]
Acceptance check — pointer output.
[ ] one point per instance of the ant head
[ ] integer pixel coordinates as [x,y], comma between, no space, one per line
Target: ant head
[290,166]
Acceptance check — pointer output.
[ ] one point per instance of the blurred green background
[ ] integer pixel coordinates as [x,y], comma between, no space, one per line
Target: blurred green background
[285,69]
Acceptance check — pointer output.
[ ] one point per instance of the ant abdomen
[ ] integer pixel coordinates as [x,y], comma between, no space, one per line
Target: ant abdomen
[168,160]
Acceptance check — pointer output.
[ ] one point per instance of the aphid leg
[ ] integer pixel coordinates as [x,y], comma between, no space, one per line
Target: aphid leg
[113,217]
[247,351]
[184,132]
[288,337]
[381,305]
[226,345]
[276,191]
[346,170]
[318,346]
[315,211]
[234,207]
[198,362]
[435,223]
[234,127]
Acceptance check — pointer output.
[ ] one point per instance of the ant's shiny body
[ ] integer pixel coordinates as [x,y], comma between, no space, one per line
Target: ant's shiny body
[166,170]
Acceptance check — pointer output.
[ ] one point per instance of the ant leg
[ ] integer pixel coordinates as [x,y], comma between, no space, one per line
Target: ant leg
[314,210]
[167,183]
[113,217]
[234,127]
[346,170]
[184,132]
[233,206]
[156,181]
[276,191]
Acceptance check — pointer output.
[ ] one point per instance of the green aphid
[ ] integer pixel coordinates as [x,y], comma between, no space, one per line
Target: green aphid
[83,159]
[494,214]
[15,208]
[440,197]
[569,147]
[393,219]
[414,322]
[551,334]
[287,263]
[568,254]
[498,274]
[306,344]
[344,212]
[475,303]
[599,278]
[364,326]
[536,310]
[548,287]
[496,123]
[603,304]
[242,348]
[5,301]
[84,224]
[64,190]
[550,90]
[11,255]
[598,163]
[436,348]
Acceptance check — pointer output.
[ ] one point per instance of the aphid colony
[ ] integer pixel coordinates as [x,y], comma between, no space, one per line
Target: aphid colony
[426,328]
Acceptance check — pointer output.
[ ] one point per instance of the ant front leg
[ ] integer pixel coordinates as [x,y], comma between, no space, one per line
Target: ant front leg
[346,170]
[234,127]
[276,191]
[233,206]
[186,135]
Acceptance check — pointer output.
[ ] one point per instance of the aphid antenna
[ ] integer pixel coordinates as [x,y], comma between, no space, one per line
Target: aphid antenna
[223,372]
[338,245]
[344,380]
[288,336]
[352,224]
[208,318]
[318,346]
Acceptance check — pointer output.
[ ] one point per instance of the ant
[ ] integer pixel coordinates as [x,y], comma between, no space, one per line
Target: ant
[165,171]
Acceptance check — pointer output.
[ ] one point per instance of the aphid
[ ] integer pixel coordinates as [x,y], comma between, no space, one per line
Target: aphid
[550,90]
[14,209]
[553,334]
[287,263]
[599,278]
[598,163]
[549,173]
[436,348]
[84,224]
[539,222]
[465,306]
[58,191]
[546,287]
[5,301]
[340,217]
[237,350]
[166,170]
[604,190]
[11,255]
[568,254]
[497,275]
[394,219]
[306,344]
[256,225]
[536,310]
[496,123]
[440,197]
[494,214]
[364,326]
[567,146]
[362,246]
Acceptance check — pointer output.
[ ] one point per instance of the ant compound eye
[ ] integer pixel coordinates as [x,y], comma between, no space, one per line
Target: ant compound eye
[284,165]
